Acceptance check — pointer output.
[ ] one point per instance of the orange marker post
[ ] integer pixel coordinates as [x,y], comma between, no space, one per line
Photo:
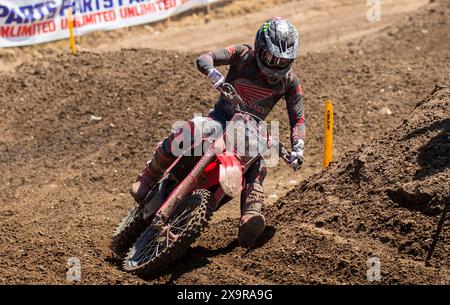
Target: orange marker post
[328,139]
[72,37]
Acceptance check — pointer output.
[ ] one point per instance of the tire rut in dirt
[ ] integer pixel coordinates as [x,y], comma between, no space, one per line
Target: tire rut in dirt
[202,205]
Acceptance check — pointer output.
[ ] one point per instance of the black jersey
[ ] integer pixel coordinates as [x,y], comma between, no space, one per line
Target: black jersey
[258,95]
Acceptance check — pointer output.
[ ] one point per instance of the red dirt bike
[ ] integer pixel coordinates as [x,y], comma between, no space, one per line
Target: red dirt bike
[158,232]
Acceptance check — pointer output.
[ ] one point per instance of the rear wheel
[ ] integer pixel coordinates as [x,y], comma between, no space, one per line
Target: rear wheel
[158,248]
[128,231]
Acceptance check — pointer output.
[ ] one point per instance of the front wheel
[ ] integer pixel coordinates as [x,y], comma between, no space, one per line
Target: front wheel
[158,248]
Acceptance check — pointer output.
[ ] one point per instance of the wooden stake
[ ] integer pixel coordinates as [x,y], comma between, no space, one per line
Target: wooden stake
[72,37]
[328,135]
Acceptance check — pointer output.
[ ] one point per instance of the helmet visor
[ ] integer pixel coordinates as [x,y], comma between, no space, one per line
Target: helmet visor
[274,62]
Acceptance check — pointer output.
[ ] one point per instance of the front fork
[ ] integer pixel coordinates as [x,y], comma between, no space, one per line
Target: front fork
[186,187]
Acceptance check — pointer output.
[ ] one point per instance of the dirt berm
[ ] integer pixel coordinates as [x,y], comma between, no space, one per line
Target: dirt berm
[388,200]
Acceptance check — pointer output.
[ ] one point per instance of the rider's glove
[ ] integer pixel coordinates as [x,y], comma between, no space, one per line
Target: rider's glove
[216,78]
[296,159]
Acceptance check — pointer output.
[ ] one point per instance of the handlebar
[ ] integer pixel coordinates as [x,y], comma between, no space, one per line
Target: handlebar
[282,151]
[231,95]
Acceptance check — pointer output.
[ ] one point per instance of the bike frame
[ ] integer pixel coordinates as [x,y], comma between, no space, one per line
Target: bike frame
[225,170]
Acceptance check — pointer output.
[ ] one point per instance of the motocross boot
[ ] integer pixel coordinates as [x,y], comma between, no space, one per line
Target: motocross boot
[151,174]
[252,223]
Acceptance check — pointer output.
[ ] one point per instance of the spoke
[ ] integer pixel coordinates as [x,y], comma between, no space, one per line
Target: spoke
[167,237]
[147,249]
[176,219]
[178,228]
[151,254]
[183,218]
[181,215]
[148,255]
[175,237]
[188,209]
[144,253]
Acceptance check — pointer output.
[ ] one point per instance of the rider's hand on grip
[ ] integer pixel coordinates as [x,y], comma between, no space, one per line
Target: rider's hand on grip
[296,160]
[216,78]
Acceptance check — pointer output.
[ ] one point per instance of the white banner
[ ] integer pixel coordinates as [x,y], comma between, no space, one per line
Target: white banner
[26,22]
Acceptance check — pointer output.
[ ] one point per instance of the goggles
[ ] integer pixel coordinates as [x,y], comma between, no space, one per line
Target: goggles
[274,62]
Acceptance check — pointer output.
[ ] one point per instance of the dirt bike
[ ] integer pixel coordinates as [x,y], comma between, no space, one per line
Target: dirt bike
[177,209]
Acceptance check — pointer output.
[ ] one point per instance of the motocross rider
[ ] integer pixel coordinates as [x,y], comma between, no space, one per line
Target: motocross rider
[262,76]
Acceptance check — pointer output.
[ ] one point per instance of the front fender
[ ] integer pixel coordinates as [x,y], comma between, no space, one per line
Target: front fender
[230,174]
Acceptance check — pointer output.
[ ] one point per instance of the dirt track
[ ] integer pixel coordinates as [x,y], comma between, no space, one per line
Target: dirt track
[346,20]
[325,25]
[65,176]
